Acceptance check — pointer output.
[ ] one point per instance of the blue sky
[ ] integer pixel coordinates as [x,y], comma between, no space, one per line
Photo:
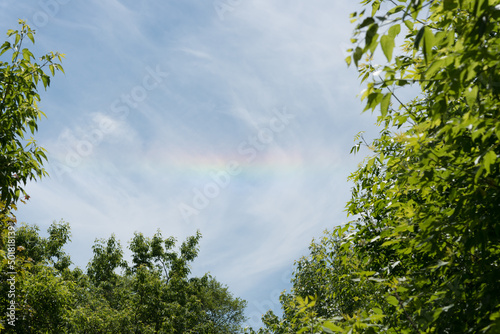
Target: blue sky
[233,117]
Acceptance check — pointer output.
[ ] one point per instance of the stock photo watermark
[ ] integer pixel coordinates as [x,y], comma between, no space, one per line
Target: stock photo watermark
[11,280]
[80,147]
[48,10]
[224,7]
[248,150]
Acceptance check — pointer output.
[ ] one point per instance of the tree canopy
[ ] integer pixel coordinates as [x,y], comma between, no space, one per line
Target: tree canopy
[426,203]
[20,158]
[428,199]
[152,295]
[324,286]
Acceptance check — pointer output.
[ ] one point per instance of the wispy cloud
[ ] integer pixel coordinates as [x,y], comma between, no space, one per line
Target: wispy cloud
[125,154]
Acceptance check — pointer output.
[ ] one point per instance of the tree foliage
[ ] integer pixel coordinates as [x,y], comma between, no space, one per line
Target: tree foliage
[428,199]
[427,202]
[323,286]
[20,158]
[153,295]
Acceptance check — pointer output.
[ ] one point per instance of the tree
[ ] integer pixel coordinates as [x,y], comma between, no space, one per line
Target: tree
[153,294]
[20,158]
[323,286]
[45,298]
[42,293]
[428,199]
[221,310]
[108,257]
[172,302]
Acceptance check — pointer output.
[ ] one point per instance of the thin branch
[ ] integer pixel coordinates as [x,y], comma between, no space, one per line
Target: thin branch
[406,313]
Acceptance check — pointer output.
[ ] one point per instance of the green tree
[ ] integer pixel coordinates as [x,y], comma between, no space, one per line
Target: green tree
[328,283]
[43,294]
[45,298]
[153,294]
[171,302]
[221,311]
[101,308]
[428,198]
[45,250]
[20,158]
[427,201]
[108,257]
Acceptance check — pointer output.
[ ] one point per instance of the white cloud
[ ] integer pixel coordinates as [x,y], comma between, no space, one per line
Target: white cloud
[225,79]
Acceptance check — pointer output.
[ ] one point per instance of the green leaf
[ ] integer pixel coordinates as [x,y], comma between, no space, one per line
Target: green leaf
[376,317]
[428,44]
[373,100]
[30,36]
[331,326]
[358,53]
[418,38]
[488,160]
[59,67]
[15,54]
[371,37]
[390,242]
[394,30]
[409,24]
[392,300]
[366,22]
[375,7]
[479,7]
[495,316]
[387,44]
[435,66]
[471,95]
[27,55]
[45,81]
[5,46]
[395,10]
[384,104]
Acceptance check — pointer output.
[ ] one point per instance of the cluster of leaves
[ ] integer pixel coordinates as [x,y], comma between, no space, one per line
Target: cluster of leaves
[152,295]
[427,202]
[429,199]
[323,287]
[331,289]
[20,158]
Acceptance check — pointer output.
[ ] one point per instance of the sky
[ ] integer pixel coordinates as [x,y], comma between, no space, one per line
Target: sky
[231,117]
